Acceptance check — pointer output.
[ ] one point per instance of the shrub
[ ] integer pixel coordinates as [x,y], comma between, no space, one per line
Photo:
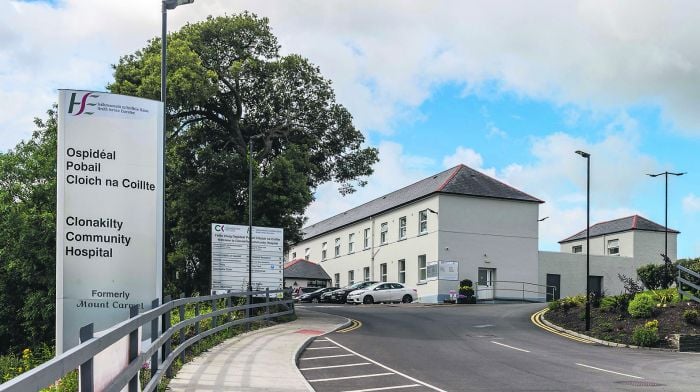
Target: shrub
[631,285]
[641,306]
[691,316]
[613,303]
[656,276]
[554,305]
[646,335]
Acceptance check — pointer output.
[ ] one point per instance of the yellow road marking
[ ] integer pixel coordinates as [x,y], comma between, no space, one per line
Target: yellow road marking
[355,324]
[537,320]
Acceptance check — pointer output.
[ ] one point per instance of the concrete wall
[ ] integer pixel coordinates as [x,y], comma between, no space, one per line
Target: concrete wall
[489,233]
[572,269]
[394,250]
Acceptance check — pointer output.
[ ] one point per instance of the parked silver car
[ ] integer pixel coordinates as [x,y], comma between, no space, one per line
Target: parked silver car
[383,292]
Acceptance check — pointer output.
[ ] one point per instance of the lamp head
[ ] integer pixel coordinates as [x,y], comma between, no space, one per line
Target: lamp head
[583,154]
[172,4]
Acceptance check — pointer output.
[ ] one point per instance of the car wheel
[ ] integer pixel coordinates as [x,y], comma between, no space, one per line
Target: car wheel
[314,300]
[367,300]
[407,299]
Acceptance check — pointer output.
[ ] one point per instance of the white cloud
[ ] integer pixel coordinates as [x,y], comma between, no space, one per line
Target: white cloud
[387,57]
[497,132]
[691,204]
[394,171]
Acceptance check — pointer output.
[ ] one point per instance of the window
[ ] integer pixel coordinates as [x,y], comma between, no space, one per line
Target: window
[337,247]
[351,242]
[307,253]
[402,228]
[367,238]
[577,249]
[324,251]
[294,255]
[422,272]
[402,271]
[614,247]
[351,277]
[337,280]
[383,233]
[382,272]
[366,273]
[423,222]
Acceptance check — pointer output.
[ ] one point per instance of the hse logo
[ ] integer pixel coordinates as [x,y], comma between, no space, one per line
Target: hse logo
[76,100]
[219,228]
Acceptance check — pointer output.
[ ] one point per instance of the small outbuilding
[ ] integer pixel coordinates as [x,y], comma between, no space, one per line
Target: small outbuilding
[304,273]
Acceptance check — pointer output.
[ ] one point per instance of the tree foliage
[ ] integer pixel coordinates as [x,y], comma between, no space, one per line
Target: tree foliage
[28,239]
[228,85]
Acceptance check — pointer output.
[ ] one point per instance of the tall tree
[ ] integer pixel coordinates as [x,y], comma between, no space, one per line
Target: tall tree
[228,86]
[28,239]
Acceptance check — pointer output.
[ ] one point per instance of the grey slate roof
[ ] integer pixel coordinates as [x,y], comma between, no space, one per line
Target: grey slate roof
[461,180]
[303,269]
[634,222]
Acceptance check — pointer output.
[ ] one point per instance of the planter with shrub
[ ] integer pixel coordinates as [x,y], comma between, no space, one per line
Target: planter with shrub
[466,292]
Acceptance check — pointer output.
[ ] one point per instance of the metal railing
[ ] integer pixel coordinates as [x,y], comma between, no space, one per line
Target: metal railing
[681,282]
[160,353]
[518,287]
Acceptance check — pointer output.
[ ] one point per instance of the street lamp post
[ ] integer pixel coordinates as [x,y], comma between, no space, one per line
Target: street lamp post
[166,5]
[665,174]
[588,236]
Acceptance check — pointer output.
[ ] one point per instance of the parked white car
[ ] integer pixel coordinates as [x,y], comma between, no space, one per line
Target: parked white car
[383,292]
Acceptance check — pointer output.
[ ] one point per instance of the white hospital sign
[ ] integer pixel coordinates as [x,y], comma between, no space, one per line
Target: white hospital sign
[109,205]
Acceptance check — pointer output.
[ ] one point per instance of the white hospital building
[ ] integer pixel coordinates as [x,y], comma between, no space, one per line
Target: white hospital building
[466,218]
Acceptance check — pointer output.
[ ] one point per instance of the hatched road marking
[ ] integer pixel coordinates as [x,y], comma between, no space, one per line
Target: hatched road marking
[336,366]
[327,356]
[384,388]
[351,377]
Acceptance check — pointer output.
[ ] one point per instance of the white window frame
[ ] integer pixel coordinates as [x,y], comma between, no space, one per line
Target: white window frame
[337,247]
[337,280]
[351,242]
[383,233]
[577,249]
[402,228]
[614,244]
[422,268]
[367,243]
[324,251]
[422,222]
[365,271]
[294,255]
[402,271]
[351,277]
[307,254]
[383,272]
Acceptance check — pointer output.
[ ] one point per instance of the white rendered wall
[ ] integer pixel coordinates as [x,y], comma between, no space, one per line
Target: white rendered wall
[572,269]
[408,249]
[490,233]
[649,245]
[599,245]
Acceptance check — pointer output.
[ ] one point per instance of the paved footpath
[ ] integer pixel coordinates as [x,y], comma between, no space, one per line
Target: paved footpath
[262,360]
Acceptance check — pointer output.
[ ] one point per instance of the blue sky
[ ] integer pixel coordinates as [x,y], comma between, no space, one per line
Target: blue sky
[511,88]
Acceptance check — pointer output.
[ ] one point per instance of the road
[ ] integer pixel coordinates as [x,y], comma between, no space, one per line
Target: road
[487,348]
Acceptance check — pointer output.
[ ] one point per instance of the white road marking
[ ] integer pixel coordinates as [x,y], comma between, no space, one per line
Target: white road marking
[321,340]
[336,366]
[483,326]
[387,368]
[319,348]
[384,388]
[328,356]
[514,348]
[610,371]
[350,377]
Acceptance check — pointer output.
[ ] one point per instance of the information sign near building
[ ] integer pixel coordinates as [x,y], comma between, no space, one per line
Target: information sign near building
[229,258]
[109,206]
